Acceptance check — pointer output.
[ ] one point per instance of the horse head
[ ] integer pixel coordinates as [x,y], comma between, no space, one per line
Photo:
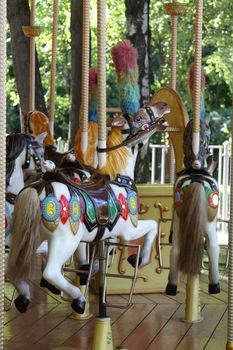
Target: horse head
[142,119]
[35,123]
[204,160]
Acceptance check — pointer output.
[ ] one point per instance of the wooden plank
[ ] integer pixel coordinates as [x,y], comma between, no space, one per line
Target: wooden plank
[198,335]
[218,339]
[160,298]
[45,324]
[146,330]
[23,346]
[172,333]
[23,322]
[129,321]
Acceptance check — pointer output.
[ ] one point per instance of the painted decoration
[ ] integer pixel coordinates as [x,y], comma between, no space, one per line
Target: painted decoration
[90,209]
[75,214]
[133,207]
[113,210]
[8,221]
[50,212]
[64,209]
[123,206]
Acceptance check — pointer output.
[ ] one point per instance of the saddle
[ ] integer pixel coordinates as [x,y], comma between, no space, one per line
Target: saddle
[96,190]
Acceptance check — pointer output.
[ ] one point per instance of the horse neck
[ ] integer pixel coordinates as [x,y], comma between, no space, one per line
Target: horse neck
[16,182]
[129,169]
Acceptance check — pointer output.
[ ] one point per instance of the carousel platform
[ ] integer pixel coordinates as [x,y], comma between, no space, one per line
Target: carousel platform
[153,321]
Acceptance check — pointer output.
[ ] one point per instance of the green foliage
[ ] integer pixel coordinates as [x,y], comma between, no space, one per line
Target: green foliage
[217,58]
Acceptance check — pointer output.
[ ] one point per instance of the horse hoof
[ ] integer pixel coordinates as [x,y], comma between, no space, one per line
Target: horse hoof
[132,259]
[78,306]
[214,288]
[45,284]
[21,303]
[171,289]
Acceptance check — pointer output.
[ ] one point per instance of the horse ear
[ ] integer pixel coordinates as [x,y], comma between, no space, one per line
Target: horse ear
[119,122]
[40,138]
[24,113]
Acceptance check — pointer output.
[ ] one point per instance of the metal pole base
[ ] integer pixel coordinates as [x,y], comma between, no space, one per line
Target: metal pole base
[86,315]
[102,334]
[229,345]
[192,306]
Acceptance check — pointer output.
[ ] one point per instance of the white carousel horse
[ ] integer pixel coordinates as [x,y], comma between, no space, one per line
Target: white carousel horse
[54,209]
[37,122]
[196,200]
[24,162]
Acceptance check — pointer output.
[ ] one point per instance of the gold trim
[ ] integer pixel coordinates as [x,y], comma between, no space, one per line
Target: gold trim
[174,9]
[32,31]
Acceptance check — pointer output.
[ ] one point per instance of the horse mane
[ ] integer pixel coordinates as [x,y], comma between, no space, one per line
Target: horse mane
[189,156]
[116,160]
[40,124]
[89,157]
[15,144]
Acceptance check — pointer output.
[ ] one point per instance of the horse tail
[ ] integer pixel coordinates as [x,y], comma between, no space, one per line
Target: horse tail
[193,219]
[25,234]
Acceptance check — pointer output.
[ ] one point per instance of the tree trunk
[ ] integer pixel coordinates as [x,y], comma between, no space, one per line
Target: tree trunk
[76,66]
[18,15]
[137,18]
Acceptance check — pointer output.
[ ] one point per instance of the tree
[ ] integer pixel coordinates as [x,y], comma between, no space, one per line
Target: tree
[76,65]
[18,14]
[137,19]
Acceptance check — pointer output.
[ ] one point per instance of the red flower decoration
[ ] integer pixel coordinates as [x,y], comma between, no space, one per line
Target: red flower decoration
[64,209]
[124,206]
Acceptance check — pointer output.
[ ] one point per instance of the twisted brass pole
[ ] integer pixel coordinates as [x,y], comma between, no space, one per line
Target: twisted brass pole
[85,76]
[32,60]
[2,158]
[229,345]
[101,38]
[53,66]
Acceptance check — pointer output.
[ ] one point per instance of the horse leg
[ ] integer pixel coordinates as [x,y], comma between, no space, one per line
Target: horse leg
[171,287]
[43,250]
[22,301]
[213,255]
[147,228]
[61,248]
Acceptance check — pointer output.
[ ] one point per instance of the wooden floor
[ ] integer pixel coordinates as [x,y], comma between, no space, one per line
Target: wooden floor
[152,322]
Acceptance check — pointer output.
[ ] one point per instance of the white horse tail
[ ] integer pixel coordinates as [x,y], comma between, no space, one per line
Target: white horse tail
[193,219]
[25,234]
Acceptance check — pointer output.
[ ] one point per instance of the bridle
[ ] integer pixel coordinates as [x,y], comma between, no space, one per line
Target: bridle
[141,134]
[31,153]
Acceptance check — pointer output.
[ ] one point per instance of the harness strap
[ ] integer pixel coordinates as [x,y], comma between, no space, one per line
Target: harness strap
[10,197]
[99,234]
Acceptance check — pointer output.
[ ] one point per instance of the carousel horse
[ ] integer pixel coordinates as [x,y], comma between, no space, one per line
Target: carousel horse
[36,122]
[196,199]
[24,163]
[63,213]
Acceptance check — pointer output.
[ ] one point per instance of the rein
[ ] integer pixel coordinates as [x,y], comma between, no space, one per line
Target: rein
[132,138]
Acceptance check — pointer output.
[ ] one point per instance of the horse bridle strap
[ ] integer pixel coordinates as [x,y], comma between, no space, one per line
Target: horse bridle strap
[32,145]
[10,197]
[131,139]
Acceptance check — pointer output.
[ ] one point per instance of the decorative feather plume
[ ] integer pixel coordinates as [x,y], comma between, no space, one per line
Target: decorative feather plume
[93,80]
[191,89]
[125,56]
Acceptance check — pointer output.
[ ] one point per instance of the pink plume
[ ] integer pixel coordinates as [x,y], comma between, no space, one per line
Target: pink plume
[124,56]
[93,76]
[191,78]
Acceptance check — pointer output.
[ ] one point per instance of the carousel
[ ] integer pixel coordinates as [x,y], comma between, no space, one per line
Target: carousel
[89,259]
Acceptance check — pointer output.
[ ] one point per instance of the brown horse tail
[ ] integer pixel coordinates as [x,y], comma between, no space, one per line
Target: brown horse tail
[25,235]
[193,218]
